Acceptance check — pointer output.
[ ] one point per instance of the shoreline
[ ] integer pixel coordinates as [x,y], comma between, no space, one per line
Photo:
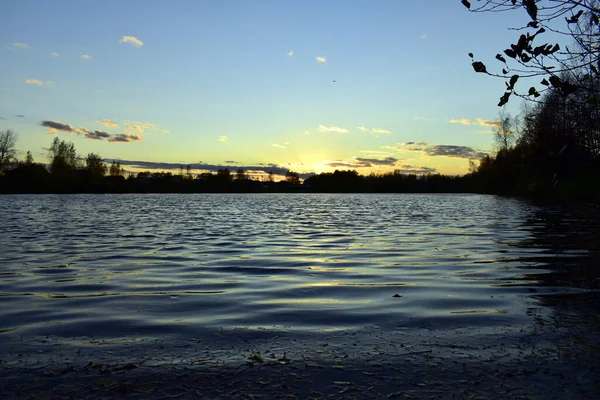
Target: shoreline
[538,359]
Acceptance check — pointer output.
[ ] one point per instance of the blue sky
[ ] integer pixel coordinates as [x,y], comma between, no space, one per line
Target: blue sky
[250,83]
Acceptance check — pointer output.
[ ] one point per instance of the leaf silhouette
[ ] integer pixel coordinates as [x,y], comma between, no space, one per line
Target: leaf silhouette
[504,99]
[478,66]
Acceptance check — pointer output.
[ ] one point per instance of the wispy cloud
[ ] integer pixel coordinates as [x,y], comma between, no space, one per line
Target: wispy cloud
[223,139]
[454,151]
[291,53]
[58,126]
[98,135]
[321,59]
[462,121]
[166,131]
[125,138]
[374,131]
[380,131]
[34,82]
[132,40]
[109,123]
[140,126]
[40,82]
[93,135]
[485,122]
[86,57]
[277,169]
[54,54]
[21,45]
[445,150]
[280,146]
[323,128]
[423,36]
[476,121]
[413,169]
[359,162]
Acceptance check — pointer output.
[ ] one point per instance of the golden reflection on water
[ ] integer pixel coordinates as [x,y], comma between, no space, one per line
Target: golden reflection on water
[314,301]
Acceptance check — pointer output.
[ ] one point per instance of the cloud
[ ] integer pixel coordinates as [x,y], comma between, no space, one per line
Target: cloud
[166,131]
[109,123]
[306,132]
[444,150]
[291,53]
[484,122]
[271,167]
[476,121]
[140,126]
[58,126]
[454,151]
[133,40]
[95,135]
[375,131]
[223,139]
[54,54]
[20,116]
[323,128]
[280,146]
[359,162]
[321,59]
[98,135]
[462,121]
[379,130]
[411,169]
[125,138]
[34,82]
[231,162]
[86,57]
[423,36]
[51,132]
[21,45]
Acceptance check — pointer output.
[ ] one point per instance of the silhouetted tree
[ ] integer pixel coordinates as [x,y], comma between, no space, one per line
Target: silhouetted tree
[115,169]
[95,168]
[63,157]
[505,134]
[28,158]
[241,174]
[8,140]
[292,178]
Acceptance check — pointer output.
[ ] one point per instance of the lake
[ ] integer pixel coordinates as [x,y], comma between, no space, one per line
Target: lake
[117,270]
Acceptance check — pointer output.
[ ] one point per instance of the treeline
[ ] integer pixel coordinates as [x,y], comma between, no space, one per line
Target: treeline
[69,173]
[551,151]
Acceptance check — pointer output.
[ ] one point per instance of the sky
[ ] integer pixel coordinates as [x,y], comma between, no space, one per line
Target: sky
[310,86]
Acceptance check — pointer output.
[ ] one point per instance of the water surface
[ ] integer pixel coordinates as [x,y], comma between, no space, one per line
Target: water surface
[171,265]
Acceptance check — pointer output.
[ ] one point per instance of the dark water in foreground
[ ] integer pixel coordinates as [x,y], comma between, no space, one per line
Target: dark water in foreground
[115,266]
[308,296]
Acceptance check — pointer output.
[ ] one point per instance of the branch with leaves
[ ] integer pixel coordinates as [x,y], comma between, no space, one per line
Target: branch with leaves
[566,70]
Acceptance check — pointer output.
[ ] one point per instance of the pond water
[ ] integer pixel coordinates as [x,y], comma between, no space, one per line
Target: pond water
[433,296]
[118,266]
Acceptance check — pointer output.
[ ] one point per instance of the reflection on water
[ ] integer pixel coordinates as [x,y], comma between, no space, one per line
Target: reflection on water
[113,266]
